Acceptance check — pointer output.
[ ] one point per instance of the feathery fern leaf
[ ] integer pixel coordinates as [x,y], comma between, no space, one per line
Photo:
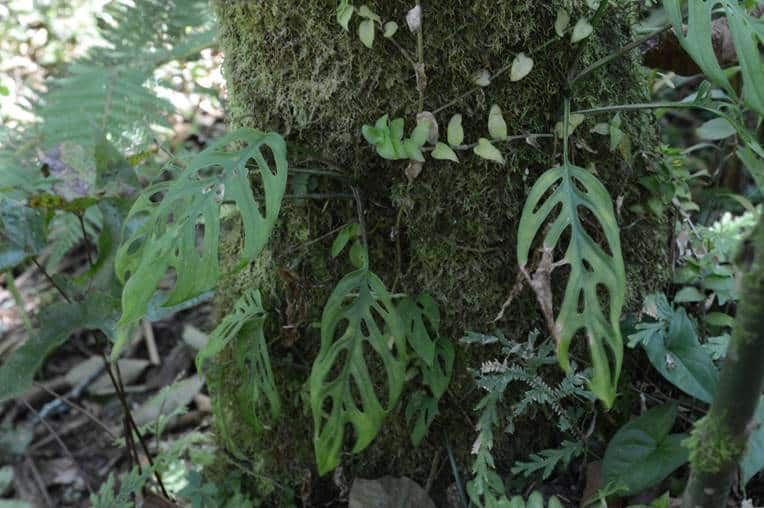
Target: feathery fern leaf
[360,324]
[592,267]
[172,216]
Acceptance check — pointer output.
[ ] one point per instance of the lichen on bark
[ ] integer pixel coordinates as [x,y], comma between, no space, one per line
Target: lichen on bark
[291,68]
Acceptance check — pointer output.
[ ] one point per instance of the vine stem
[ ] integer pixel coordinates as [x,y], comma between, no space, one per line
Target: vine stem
[52,282]
[361,221]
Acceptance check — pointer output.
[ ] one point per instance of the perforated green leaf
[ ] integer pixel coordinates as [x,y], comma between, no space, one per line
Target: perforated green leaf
[592,267]
[180,220]
[421,319]
[361,333]
[244,327]
[697,42]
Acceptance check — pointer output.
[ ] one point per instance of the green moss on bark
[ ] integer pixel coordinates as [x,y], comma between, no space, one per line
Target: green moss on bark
[291,68]
[713,446]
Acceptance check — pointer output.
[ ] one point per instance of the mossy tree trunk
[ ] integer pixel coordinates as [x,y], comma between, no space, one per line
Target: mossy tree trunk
[451,232]
[719,439]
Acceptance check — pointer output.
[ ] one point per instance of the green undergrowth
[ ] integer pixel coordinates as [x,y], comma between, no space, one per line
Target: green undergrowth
[291,68]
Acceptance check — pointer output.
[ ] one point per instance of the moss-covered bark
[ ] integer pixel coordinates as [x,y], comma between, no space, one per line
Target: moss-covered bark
[291,68]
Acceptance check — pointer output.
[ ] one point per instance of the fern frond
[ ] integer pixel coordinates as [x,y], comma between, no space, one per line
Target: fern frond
[549,460]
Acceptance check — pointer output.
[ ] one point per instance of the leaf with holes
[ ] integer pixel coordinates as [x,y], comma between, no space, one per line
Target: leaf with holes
[421,320]
[361,332]
[572,190]
[698,43]
[173,215]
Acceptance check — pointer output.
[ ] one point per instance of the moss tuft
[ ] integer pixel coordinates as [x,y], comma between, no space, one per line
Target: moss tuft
[291,68]
[713,446]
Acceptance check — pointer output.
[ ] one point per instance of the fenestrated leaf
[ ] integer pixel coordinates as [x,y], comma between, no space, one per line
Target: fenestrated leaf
[642,453]
[573,189]
[97,311]
[359,319]
[421,320]
[682,360]
[174,214]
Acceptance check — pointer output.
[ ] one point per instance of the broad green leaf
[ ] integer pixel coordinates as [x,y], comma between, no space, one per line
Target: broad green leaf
[689,294]
[682,360]
[715,130]
[360,330]
[347,233]
[455,131]
[421,132]
[257,389]
[753,461]
[97,311]
[344,14]
[497,127]
[444,152]
[581,31]
[486,150]
[366,32]
[642,453]
[391,28]
[522,65]
[172,215]
[562,22]
[592,267]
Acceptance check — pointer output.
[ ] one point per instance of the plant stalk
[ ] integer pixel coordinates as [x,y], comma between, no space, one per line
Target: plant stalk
[719,440]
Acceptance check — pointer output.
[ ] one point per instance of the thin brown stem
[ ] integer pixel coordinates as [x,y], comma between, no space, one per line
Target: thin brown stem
[52,282]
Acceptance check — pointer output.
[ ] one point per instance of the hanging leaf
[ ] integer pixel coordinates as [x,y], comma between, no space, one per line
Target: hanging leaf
[366,32]
[487,151]
[716,130]
[344,14]
[497,127]
[592,267]
[562,22]
[455,131]
[360,330]
[581,31]
[444,152]
[642,453]
[172,215]
[697,42]
[522,65]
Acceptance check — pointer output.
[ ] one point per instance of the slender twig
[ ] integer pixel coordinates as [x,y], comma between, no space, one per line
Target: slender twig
[85,238]
[316,240]
[612,56]
[361,221]
[119,388]
[60,442]
[64,399]
[38,480]
[52,282]
[318,172]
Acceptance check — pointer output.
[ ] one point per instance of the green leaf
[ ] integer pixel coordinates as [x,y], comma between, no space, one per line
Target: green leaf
[581,31]
[592,267]
[421,132]
[487,151]
[444,152]
[360,330]
[642,453]
[715,130]
[391,28]
[98,311]
[753,461]
[689,294]
[170,215]
[549,460]
[455,131]
[366,32]
[682,360]
[422,409]
[522,65]
[497,127]
[349,232]
[344,14]
[257,388]
[367,13]
[22,233]
[562,22]
[421,320]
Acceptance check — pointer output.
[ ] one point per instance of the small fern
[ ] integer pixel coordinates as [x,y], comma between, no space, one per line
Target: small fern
[548,460]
